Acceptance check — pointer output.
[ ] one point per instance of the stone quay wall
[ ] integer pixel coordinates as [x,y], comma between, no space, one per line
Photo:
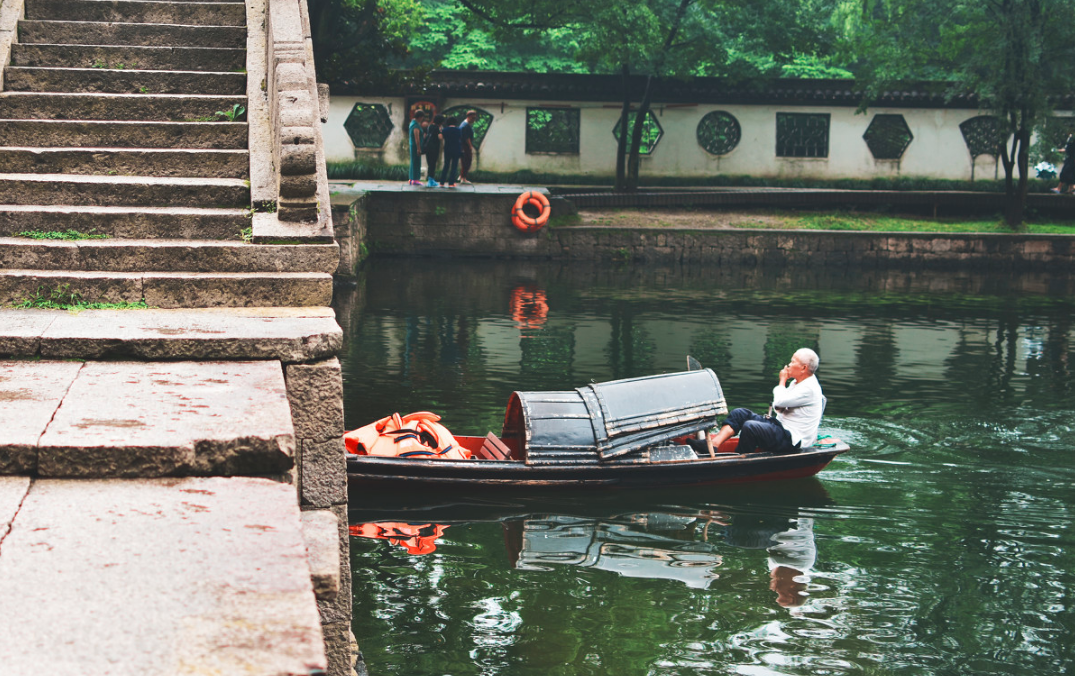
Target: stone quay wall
[440,222]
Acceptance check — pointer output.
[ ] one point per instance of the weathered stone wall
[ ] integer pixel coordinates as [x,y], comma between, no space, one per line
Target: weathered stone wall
[315,393]
[349,220]
[458,223]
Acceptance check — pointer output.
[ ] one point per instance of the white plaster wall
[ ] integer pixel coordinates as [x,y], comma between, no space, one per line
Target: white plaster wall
[937,151]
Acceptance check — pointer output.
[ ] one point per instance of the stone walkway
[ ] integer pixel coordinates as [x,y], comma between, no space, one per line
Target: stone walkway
[154,577]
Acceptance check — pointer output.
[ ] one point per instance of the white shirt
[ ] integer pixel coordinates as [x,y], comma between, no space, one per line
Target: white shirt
[799,409]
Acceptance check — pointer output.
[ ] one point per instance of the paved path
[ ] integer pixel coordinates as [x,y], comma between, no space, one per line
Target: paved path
[154,577]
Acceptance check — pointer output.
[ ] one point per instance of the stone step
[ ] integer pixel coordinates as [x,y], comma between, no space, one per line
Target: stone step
[127,162]
[199,575]
[70,80]
[46,189]
[139,11]
[135,255]
[289,334]
[132,222]
[129,58]
[133,34]
[170,289]
[149,419]
[123,134]
[140,107]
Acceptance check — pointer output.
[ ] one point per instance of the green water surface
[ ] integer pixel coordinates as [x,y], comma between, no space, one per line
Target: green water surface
[941,544]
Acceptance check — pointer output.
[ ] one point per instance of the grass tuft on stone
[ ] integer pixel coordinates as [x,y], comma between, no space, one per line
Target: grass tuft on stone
[64,298]
[69,235]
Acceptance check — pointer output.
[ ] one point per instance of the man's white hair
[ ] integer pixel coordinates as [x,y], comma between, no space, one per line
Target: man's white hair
[809,358]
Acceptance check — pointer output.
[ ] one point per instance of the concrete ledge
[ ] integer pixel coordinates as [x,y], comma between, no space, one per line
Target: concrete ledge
[289,335]
[145,34]
[131,222]
[138,419]
[139,162]
[188,576]
[98,106]
[30,393]
[69,80]
[320,530]
[122,134]
[75,190]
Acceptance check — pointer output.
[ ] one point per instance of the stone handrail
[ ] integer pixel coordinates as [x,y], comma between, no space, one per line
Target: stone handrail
[298,184]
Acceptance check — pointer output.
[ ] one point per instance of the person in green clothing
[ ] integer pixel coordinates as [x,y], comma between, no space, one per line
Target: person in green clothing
[414,136]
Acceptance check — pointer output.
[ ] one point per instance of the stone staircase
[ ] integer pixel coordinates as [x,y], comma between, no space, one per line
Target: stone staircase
[112,123]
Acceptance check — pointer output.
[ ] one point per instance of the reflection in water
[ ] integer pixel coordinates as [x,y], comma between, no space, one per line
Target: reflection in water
[947,547]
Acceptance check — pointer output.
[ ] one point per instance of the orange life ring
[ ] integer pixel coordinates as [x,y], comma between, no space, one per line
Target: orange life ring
[524,223]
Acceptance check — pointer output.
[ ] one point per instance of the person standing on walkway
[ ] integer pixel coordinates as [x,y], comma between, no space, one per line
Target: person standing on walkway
[466,131]
[1067,171]
[453,150]
[431,149]
[414,138]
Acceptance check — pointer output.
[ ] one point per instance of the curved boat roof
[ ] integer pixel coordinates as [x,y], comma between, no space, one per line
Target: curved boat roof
[602,421]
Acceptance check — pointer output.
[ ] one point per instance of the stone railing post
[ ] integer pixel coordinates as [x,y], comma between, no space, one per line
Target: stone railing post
[298,181]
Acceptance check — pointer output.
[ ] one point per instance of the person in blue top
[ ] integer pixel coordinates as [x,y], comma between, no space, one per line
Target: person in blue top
[414,136]
[466,131]
[453,150]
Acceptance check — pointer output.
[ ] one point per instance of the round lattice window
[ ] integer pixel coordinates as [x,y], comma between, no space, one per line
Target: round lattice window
[719,132]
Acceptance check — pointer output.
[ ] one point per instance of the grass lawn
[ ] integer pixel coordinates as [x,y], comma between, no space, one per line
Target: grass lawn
[799,220]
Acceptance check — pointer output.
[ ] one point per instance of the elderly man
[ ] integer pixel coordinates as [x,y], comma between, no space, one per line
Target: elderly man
[797,408]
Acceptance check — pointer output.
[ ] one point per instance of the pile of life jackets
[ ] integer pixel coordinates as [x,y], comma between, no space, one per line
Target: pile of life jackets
[417,435]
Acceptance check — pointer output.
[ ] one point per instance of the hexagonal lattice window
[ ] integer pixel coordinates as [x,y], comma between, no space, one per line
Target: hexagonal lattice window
[888,136]
[368,125]
[983,135]
[481,125]
[719,132]
[651,132]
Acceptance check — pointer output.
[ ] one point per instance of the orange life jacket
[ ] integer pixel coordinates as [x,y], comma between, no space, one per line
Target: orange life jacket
[416,435]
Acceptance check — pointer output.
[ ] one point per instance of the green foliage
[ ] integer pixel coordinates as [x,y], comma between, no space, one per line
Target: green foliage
[235,114]
[64,298]
[357,41]
[60,234]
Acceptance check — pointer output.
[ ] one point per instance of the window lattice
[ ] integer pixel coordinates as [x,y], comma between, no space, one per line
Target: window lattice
[651,132]
[481,125]
[552,130]
[719,132]
[802,134]
[983,135]
[368,125]
[888,136]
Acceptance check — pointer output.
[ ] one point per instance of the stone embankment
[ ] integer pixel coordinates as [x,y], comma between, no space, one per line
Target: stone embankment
[476,221]
[173,497]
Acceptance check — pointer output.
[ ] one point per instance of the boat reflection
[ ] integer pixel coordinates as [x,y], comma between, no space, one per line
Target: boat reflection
[647,538]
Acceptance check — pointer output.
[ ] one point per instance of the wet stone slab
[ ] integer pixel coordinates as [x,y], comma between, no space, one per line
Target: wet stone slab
[30,393]
[135,419]
[12,491]
[157,578]
[288,334]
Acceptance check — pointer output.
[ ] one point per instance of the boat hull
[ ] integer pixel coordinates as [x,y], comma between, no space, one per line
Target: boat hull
[381,472]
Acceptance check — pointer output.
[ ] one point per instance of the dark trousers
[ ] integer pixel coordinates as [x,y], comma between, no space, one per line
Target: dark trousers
[451,170]
[757,432]
[465,161]
[431,163]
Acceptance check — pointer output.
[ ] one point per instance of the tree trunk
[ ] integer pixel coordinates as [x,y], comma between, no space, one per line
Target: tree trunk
[621,144]
[1013,211]
[634,159]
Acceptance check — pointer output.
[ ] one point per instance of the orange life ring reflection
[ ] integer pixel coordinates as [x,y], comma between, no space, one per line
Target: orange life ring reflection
[417,539]
[529,307]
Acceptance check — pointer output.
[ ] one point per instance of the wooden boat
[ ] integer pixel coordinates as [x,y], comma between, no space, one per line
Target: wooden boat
[625,433]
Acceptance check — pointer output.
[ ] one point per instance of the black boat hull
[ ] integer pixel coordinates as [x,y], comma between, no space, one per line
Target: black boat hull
[382,472]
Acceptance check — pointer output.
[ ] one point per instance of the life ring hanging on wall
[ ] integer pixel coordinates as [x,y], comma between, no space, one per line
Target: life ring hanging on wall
[525,223]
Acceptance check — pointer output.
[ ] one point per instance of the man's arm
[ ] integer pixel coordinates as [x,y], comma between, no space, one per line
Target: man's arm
[792,397]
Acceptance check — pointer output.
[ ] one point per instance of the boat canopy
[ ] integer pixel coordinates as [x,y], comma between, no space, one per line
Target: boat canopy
[603,421]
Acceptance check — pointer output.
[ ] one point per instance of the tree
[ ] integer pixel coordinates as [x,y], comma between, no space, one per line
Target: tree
[356,41]
[1013,55]
[663,39]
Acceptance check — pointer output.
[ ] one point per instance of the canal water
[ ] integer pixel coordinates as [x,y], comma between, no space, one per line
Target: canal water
[941,544]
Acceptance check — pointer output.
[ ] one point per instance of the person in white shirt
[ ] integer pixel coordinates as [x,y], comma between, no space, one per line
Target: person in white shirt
[797,412]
